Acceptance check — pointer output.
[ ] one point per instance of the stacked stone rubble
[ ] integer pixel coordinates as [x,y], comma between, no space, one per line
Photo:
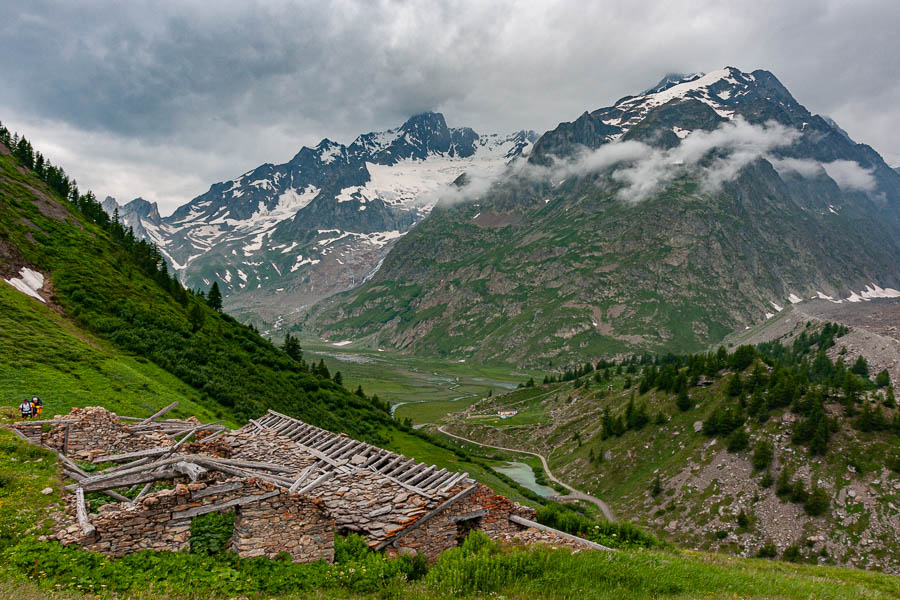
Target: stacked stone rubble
[96,432]
[286,523]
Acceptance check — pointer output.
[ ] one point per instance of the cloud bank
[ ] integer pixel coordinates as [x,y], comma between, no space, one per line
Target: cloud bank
[162,98]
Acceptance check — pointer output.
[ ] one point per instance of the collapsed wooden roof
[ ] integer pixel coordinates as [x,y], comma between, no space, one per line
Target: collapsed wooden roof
[341,454]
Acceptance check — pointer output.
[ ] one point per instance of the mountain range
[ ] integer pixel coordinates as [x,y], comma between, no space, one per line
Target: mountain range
[663,222]
[280,237]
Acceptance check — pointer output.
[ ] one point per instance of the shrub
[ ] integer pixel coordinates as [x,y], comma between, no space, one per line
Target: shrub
[762,455]
[742,519]
[817,502]
[615,535]
[767,550]
[766,480]
[738,441]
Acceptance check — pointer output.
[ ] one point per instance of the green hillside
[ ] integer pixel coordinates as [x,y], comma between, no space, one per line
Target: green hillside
[120,315]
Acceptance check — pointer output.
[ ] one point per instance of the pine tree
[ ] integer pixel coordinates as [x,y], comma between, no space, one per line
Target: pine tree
[322,370]
[292,348]
[883,379]
[338,378]
[656,490]
[683,402]
[762,455]
[214,298]
[861,367]
[783,486]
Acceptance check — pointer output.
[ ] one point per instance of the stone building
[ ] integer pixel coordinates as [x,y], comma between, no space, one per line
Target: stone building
[291,486]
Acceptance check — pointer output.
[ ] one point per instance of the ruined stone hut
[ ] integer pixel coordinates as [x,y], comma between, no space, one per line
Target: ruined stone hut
[290,484]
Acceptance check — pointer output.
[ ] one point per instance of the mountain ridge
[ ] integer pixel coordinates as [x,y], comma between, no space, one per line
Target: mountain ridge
[322,221]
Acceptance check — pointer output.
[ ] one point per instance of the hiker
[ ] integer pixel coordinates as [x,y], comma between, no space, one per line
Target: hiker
[37,407]
[25,407]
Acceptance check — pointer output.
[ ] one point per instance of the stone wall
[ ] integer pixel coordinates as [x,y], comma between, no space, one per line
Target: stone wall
[267,446]
[98,432]
[483,508]
[286,522]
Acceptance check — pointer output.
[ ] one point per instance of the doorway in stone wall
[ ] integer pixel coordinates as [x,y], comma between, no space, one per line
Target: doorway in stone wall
[466,526]
[211,533]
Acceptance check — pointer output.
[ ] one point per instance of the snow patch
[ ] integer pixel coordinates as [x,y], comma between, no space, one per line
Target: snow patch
[795,299]
[776,307]
[28,282]
[344,343]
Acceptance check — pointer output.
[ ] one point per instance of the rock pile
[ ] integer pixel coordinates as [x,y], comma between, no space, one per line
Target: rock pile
[96,432]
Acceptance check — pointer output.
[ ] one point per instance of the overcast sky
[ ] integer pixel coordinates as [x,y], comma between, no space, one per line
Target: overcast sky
[162,99]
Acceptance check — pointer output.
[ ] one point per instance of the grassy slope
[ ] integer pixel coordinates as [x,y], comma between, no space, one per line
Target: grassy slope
[47,355]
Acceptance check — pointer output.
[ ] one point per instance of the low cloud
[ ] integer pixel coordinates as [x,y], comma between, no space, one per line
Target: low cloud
[716,157]
[849,175]
[644,170]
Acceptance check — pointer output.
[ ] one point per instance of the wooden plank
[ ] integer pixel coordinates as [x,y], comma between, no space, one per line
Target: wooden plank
[218,489]
[82,513]
[321,479]
[301,479]
[410,488]
[122,467]
[421,476]
[280,481]
[429,515]
[65,449]
[47,422]
[143,491]
[19,434]
[159,413]
[526,523]
[131,470]
[254,465]
[130,455]
[202,510]
[410,473]
[453,481]
[132,479]
[434,477]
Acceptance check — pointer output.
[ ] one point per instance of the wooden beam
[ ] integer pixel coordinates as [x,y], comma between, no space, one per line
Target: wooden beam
[132,479]
[218,489]
[130,455]
[267,466]
[47,422]
[429,515]
[421,476]
[433,477]
[301,479]
[65,449]
[321,479]
[526,523]
[82,514]
[159,413]
[202,510]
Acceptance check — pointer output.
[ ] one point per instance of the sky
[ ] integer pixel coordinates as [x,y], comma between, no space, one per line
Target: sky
[161,99]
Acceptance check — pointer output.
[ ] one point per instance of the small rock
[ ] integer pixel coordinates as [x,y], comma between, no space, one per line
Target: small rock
[47,491]
[698,426]
[851,493]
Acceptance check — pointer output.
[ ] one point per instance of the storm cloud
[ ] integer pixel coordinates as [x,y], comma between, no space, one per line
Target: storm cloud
[161,99]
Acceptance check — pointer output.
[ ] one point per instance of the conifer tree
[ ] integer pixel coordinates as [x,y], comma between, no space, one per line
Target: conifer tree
[214,298]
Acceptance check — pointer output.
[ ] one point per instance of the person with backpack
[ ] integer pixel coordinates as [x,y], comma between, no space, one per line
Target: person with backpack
[26,409]
[37,407]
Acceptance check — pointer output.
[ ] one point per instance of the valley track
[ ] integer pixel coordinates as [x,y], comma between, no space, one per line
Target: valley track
[574,495]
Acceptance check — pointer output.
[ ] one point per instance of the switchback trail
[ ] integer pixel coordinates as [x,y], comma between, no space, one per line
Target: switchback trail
[574,495]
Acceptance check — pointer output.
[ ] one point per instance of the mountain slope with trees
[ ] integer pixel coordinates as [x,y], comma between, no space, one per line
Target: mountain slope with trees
[105,284]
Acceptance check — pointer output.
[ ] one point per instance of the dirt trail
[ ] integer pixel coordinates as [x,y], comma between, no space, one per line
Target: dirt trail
[574,495]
